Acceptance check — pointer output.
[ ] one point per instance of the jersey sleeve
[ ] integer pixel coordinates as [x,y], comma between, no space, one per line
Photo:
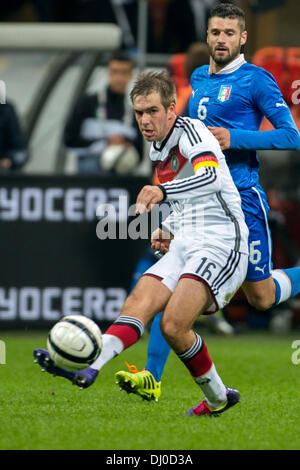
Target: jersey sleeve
[200,147]
[266,96]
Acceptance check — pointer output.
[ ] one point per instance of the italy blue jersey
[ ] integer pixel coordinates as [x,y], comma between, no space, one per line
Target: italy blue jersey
[237,98]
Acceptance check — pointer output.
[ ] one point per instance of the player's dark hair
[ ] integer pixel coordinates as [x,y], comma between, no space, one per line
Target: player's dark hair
[228,10]
[151,82]
[121,56]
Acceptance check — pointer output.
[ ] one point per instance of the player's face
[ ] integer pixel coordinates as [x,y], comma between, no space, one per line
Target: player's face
[224,39]
[119,75]
[153,119]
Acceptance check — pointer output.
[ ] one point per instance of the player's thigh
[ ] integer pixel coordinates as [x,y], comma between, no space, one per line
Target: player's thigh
[167,269]
[155,287]
[189,299]
[148,298]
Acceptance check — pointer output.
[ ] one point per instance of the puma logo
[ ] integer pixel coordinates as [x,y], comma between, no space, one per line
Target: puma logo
[257,268]
[281,104]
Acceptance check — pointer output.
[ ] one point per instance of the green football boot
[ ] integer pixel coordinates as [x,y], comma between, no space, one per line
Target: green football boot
[141,383]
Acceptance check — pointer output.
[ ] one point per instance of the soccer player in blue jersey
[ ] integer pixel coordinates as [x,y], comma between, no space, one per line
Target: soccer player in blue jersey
[231,97]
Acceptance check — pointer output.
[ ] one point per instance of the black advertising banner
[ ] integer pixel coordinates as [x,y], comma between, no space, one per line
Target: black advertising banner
[53,260]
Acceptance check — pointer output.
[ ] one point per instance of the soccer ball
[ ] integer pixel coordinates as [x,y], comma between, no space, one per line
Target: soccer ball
[74,342]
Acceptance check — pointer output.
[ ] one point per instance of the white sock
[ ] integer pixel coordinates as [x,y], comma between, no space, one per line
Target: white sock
[213,388]
[284,284]
[111,347]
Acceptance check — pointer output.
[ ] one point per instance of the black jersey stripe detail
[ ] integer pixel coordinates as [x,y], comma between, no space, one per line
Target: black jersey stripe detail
[190,131]
[190,123]
[227,271]
[222,272]
[234,266]
[233,220]
[189,136]
[188,181]
[192,188]
[164,142]
[199,183]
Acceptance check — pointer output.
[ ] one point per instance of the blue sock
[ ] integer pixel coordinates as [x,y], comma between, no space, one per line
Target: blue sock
[277,291]
[158,350]
[287,283]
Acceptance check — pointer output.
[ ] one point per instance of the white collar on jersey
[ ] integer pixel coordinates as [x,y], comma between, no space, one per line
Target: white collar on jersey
[234,65]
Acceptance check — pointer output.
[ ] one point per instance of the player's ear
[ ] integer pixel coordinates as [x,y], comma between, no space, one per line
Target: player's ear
[172,108]
[243,38]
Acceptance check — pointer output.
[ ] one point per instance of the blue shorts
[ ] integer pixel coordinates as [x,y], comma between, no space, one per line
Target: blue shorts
[255,208]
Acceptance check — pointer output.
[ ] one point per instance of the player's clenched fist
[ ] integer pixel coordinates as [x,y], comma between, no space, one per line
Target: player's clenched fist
[160,240]
[147,197]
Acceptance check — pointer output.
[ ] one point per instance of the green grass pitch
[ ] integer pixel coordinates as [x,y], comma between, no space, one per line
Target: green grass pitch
[38,411]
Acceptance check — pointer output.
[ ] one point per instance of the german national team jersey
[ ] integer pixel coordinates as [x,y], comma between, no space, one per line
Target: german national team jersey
[208,200]
[237,98]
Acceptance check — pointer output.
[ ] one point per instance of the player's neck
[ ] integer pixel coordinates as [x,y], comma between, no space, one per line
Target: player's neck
[215,68]
[169,130]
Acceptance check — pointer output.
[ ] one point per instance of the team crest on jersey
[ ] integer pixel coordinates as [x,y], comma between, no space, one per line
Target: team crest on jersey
[224,93]
[174,163]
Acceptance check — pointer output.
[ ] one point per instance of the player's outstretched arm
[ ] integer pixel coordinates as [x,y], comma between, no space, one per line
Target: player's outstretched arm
[266,97]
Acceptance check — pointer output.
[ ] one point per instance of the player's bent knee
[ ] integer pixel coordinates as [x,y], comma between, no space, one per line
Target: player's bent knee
[169,329]
[260,302]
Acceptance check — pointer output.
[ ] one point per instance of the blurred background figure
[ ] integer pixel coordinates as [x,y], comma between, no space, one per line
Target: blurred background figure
[13,146]
[185,23]
[181,67]
[101,132]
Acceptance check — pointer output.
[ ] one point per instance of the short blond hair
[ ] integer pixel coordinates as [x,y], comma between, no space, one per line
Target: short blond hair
[150,82]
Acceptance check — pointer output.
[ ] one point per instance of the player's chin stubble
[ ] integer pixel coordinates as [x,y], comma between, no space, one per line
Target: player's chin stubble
[227,59]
